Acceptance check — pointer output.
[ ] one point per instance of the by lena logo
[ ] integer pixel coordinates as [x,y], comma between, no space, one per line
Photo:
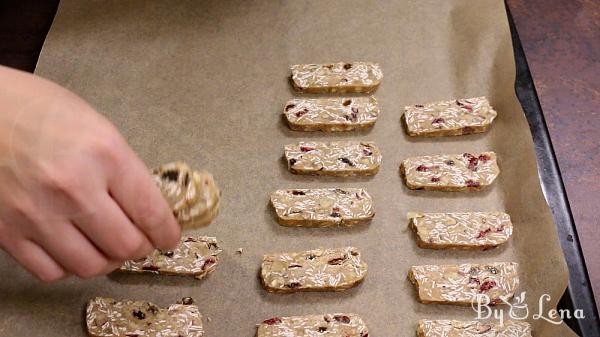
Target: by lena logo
[518,310]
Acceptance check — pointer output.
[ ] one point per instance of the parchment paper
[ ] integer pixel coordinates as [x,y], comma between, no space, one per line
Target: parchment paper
[206,81]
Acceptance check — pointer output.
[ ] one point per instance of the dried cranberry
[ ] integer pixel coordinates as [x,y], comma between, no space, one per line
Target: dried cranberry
[450,162]
[347,66]
[293,285]
[419,106]
[347,102]
[208,262]
[342,319]
[471,183]
[474,280]
[139,314]
[336,261]
[467,130]
[150,268]
[132,335]
[289,106]
[271,321]
[422,168]
[306,148]
[437,121]
[292,161]
[487,285]
[364,334]
[482,234]
[484,157]
[435,179]
[294,265]
[170,175]
[301,112]
[347,161]
[187,301]
[296,192]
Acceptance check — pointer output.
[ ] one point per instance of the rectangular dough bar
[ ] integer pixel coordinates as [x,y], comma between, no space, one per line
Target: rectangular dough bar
[323,207]
[465,230]
[340,158]
[451,172]
[333,269]
[340,77]
[331,114]
[448,328]
[461,284]
[106,317]
[194,256]
[328,325]
[449,118]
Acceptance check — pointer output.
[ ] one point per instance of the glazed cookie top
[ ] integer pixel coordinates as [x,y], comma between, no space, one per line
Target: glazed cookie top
[106,317]
[462,283]
[313,269]
[328,325]
[462,228]
[333,156]
[447,328]
[193,256]
[331,111]
[453,170]
[449,115]
[336,75]
[332,204]
[192,195]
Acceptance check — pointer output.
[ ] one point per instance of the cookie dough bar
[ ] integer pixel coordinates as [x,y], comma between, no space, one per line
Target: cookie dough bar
[334,269]
[341,77]
[324,207]
[341,158]
[452,172]
[194,256]
[106,317]
[449,118]
[464,284]
[193,195]
[447,328]
[464,230]
[331,114]
[329,325]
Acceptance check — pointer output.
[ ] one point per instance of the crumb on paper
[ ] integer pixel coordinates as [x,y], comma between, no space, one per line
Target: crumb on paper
[240,250]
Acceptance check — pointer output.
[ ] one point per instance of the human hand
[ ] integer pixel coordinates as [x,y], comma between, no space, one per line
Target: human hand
[74,197]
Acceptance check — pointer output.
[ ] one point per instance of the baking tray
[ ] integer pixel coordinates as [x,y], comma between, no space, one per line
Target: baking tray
[579,294]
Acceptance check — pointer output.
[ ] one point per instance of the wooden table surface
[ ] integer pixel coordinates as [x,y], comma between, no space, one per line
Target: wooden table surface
[561,39]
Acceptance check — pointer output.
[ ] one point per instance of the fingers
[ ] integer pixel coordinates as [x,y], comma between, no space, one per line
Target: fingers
[74,252]
[35,259]
[112,232]
[135,192]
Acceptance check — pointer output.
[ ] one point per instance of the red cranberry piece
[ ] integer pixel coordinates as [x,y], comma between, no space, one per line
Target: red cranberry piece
[482,234]
[347,66]
[487,285]
[484,157]
[306,148]
[209,261]
[289,106]
[301,112]
[422,168]
[271,321]
[342,319]
[471,183]
[347,161]
[336,261]
[150,268]
[437,121]
[347,102]
[474,280]
[435,179]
